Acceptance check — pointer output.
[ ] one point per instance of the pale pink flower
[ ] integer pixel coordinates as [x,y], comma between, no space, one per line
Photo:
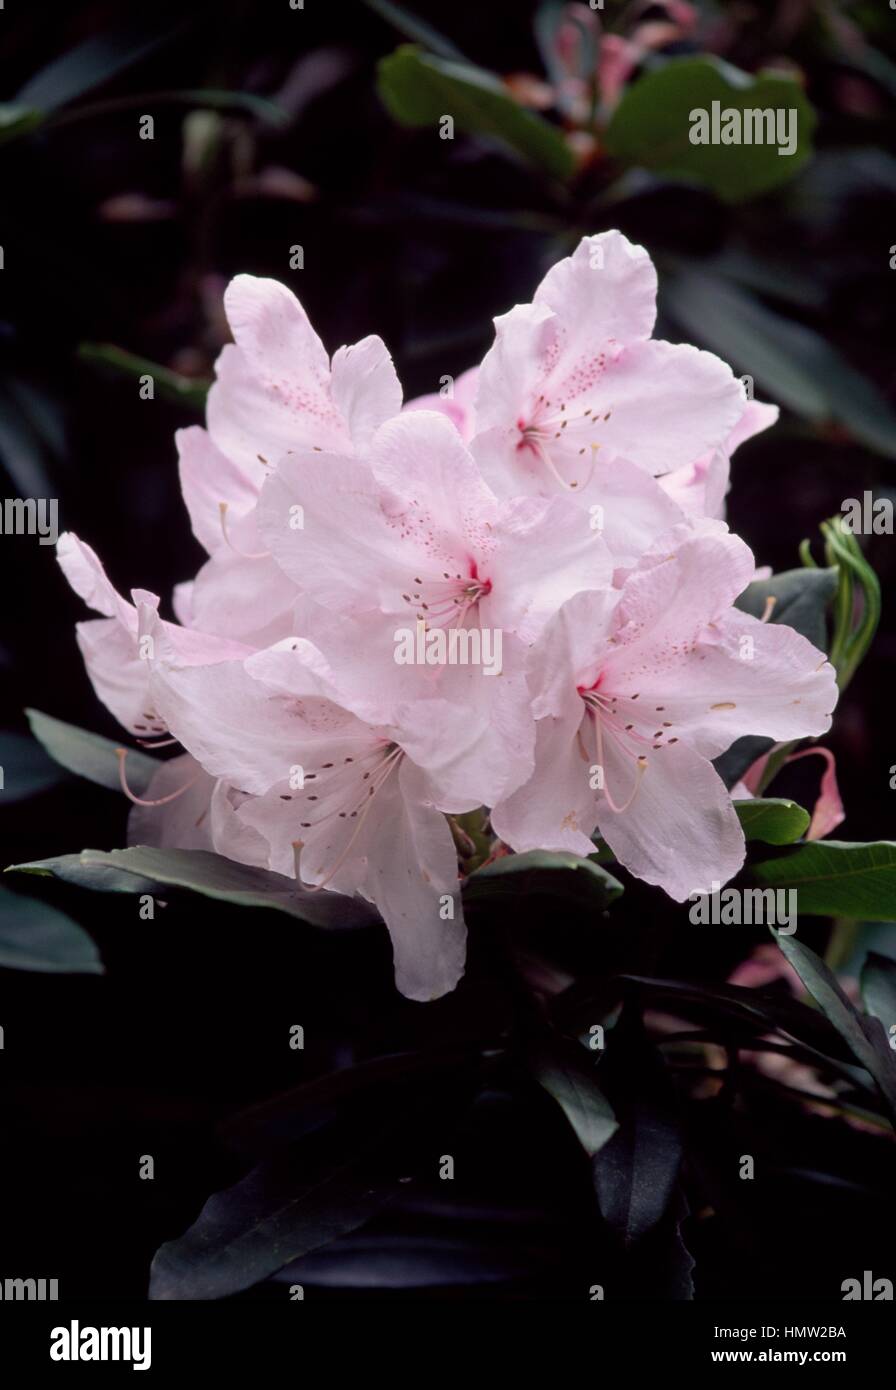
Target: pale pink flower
[700,488]
[275,390]
[457,404]
[411,533]
[636,690]
[575,375]
[336,800]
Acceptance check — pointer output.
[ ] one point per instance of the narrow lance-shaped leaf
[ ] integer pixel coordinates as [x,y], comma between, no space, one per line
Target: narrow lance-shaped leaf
[89,755]
[864,1035]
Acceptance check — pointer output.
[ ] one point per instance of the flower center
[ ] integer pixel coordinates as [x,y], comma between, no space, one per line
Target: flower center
[447,602]
[552,428]
[347,789]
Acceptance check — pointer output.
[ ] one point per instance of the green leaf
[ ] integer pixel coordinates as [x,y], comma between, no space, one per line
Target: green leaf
[418,90]
[271,1217]
[795,365]
[94,61]
[25,769]
[17,119]
[561,1072]
[772,820]
[200,871]
[801,600]
[878,983]
[834,878]
[414,28]
[562,876]
[651,127]
[636,1173]
[865,1036]
[90,755]
[35,936]
[190,391]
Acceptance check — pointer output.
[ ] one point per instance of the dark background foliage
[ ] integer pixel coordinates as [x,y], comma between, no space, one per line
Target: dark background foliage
[112,240]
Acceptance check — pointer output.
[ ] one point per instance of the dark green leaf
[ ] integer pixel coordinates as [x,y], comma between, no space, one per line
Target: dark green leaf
[651,127]
[564,1073]
[17,119]
[801,600]
[35,936]
[418,90]
[878,981]
[187,390]
[564,876]
[636,1172]
[271,1217]
[865,1036]
[94,61]
[25,768]
[834,878]
[772,820]
[202,872]
[89,755]
[415,28]
[740,757]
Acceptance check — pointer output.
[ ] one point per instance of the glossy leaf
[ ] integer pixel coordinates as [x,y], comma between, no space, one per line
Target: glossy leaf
[25,769]
[772,820]
[834,878]
[89,755]
[36,936]
[651,127]
[419,89]
[201,872]
[865,1036]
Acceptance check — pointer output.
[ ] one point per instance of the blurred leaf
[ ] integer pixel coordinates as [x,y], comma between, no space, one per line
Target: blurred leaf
[414,28]
[25,768]
[200,871]
[865,1036]
[94,61]
[772,820]
[561,1071]
[201,98]
[651,126]
[187,390]
[789,361]
[269,1218]
[834,878]
[89,755]
[418,90]
[550,18]
[801,599]
[17,119]
[762,1010]
[878,983]
[35,936]
[564,876]
[22,451]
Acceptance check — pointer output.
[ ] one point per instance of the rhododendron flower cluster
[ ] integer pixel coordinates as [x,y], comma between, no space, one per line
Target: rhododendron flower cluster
[519,596]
